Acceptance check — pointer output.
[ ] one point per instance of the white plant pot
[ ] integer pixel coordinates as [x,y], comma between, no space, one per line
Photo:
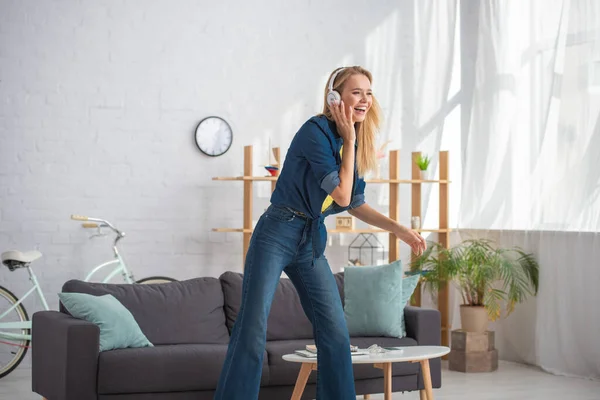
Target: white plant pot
[426,175]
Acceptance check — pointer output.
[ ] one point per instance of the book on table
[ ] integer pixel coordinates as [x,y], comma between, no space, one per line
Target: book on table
[306,353]
[313,348]
[311,351]
[310,354]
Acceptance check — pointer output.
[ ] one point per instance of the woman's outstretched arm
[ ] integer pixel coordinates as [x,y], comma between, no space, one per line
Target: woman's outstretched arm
[373,217]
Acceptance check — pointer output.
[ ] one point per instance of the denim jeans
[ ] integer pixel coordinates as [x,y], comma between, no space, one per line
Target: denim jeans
[282,241]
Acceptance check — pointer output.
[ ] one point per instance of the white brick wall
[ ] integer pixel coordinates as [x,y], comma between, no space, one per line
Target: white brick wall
[99,102]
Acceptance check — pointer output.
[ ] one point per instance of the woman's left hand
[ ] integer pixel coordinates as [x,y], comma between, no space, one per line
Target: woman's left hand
[412,238]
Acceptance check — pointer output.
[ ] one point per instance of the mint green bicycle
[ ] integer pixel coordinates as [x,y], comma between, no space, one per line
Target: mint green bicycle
[15,325]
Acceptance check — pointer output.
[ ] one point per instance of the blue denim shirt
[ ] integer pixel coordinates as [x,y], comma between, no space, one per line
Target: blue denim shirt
[310,173]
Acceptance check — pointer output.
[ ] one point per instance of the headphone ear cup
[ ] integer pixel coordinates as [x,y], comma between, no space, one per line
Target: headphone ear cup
[333,97]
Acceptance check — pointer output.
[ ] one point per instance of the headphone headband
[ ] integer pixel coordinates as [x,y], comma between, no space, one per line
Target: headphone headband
[332,80]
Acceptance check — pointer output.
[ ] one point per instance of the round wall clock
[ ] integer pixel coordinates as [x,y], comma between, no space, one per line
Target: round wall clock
[213,136]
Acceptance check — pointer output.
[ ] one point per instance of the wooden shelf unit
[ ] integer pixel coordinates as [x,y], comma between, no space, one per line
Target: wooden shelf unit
[443,234]
[394,183]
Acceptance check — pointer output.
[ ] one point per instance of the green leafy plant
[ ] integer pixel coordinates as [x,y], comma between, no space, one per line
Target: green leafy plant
[423,162]
[485,275]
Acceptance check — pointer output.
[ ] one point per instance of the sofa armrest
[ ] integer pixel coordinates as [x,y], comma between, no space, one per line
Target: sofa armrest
[64,356]
[423,325]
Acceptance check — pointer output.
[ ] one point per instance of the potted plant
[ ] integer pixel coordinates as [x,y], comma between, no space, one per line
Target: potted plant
[486,276]
[423,162]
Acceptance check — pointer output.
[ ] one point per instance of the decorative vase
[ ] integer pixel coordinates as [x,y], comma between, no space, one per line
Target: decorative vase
[474,318]
[425,174]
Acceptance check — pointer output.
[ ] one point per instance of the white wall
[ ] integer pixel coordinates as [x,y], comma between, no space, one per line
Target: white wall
[99,102]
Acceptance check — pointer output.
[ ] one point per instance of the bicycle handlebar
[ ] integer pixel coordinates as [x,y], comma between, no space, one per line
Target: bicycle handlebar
[97,223]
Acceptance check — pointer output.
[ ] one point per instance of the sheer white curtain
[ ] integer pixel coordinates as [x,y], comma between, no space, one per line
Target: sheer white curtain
[531,143]
[516,99]
[533,140]
[412,57]
[416,69]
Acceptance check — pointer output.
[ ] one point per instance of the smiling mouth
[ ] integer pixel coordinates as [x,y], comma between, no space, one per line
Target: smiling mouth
[360,110]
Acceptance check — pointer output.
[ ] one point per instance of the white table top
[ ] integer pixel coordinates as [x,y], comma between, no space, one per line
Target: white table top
[408,353]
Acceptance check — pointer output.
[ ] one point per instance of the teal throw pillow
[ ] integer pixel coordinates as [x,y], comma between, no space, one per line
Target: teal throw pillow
[375,297]
[118,328]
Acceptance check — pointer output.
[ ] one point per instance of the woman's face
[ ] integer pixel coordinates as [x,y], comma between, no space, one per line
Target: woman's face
[357,94]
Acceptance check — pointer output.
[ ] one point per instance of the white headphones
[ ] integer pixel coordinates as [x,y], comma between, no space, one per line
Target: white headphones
[332,95]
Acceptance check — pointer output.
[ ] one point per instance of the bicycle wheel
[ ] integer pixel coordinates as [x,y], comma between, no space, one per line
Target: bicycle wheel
[155,279]
[12,351]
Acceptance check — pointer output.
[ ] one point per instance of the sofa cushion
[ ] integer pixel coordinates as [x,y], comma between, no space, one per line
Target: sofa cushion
[165,368]
[283,372]
[181,312]
[287,319]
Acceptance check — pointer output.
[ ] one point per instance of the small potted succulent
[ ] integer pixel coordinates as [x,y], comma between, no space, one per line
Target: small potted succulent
[423,162]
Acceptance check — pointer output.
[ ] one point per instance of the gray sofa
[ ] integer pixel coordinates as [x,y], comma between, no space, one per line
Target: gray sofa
[189,323]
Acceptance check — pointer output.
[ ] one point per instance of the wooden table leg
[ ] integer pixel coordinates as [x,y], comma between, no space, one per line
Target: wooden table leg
[423,394]
[367,396]
[426,380]
[387,381]
[305,371]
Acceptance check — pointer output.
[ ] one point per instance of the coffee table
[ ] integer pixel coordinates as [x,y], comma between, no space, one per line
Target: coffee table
[384,361]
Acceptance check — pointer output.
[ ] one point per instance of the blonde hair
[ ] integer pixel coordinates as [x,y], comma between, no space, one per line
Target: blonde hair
[366,157]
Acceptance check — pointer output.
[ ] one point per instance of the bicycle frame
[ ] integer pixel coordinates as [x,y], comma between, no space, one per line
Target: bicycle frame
[120,268]
[119,263]
[23,324]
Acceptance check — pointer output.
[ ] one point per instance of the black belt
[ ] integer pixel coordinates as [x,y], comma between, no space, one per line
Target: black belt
[298,213]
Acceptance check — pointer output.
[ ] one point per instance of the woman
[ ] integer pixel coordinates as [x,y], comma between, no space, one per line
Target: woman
[322,175]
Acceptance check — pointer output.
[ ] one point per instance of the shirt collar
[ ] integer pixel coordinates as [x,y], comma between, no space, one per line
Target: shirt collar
[333,128]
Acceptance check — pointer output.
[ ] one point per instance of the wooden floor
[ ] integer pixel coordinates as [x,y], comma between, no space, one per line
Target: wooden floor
[511,381]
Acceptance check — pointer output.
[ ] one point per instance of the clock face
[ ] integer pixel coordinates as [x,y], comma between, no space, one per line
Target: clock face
[213,136]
